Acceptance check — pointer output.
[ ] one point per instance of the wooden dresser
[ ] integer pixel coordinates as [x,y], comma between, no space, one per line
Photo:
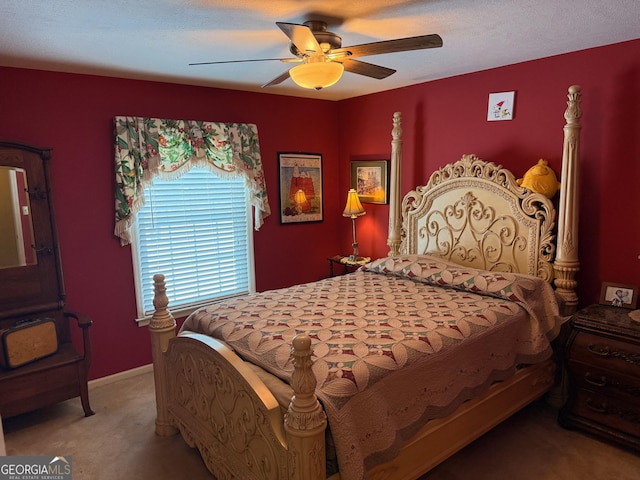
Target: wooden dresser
[32,291]
[602,355]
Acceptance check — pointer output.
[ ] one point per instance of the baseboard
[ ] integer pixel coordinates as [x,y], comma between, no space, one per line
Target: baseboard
[134,372]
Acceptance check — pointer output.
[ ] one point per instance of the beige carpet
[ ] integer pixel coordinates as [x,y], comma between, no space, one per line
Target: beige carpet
[119,443]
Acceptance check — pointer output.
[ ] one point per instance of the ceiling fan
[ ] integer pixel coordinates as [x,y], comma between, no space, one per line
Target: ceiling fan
[322,58]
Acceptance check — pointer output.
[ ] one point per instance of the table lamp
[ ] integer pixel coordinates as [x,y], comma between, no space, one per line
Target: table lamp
[354,210]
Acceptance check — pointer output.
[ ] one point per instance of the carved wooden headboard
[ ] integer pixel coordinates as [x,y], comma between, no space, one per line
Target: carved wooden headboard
[474,213]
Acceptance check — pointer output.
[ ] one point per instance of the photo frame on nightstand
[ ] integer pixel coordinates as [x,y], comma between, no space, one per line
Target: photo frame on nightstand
[619,295]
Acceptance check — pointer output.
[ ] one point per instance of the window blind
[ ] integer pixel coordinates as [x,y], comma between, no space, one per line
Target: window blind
[196,231]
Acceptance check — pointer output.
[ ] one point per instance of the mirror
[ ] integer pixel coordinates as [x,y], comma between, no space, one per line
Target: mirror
[16,227]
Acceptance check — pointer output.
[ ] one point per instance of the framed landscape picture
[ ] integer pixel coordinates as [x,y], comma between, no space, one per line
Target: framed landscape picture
[370,180]
[300,187]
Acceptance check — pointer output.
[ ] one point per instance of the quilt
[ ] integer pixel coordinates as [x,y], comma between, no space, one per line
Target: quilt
[403,340]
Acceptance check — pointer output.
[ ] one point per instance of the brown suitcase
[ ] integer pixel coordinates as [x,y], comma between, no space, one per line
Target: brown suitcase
[27,342]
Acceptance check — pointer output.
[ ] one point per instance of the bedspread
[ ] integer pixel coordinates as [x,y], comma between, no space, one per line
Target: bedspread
[402,340]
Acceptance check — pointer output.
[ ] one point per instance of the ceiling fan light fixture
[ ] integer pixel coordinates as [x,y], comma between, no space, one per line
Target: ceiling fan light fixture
[317,75]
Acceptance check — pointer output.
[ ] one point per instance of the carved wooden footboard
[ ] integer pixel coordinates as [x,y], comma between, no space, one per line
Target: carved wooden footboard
[225,412]
[221,407]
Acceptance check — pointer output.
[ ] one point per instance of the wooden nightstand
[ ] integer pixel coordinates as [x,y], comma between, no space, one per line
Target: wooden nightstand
[347,267]
[602,355]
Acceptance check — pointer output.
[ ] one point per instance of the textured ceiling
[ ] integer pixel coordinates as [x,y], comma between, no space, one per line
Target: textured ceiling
[157,39]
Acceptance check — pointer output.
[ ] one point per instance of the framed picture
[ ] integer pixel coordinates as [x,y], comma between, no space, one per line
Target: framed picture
[300,186]
[501,106]
[370,180]
[618,295]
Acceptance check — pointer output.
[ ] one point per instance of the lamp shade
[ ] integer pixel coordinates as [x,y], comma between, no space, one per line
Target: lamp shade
[353,207]
[316,75]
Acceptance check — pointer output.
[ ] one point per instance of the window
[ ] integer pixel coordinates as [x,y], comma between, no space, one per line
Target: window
[196,230]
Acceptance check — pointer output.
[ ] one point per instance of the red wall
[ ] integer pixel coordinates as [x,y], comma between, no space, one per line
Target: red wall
[441,121]
[73,114]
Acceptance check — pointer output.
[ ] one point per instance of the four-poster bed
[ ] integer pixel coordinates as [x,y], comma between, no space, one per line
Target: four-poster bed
[464,294]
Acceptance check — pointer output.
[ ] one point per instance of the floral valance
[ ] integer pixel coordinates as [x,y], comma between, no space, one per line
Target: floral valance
[146,148]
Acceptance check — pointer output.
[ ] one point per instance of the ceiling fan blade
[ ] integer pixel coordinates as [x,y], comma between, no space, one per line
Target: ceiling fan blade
[276,81]
[301,36]
[242,61]
[367,69]
[389,46]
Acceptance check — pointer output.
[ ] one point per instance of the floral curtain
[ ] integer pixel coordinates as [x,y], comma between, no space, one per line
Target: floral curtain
[146,148]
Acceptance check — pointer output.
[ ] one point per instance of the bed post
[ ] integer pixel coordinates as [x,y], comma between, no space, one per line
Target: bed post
[395,186]
[162,328]
[305,421]
[566,264]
